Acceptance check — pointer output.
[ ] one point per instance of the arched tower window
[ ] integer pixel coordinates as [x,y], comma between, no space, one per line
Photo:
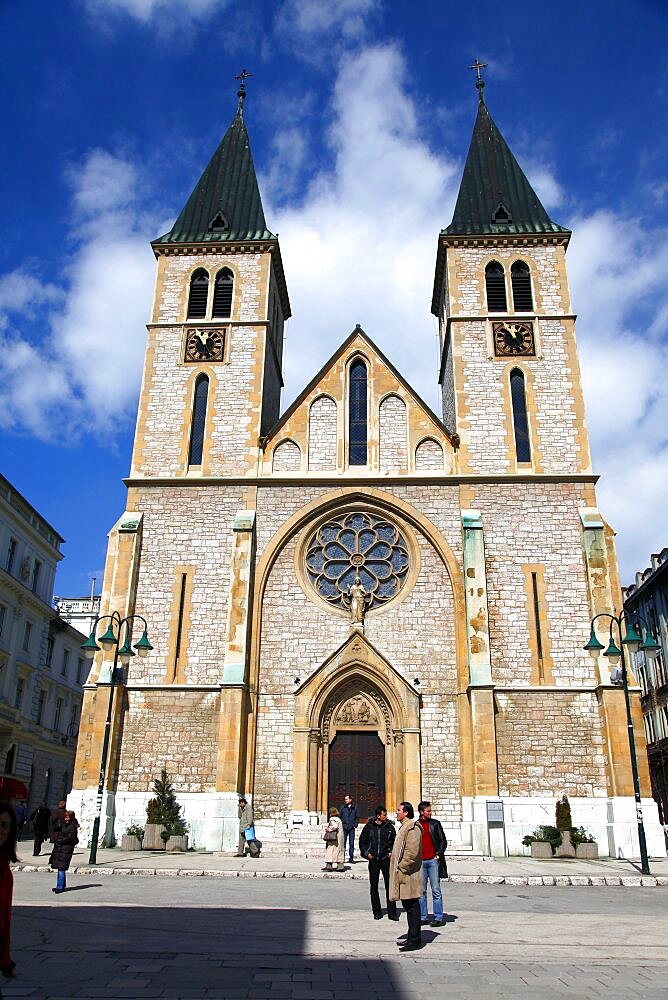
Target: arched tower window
[520,421]
[199,291]
[495,283]
[520,278]
[357,424]
[222,294]
[199,420]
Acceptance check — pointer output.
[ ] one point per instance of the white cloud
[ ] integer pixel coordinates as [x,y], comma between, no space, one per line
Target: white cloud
[146,11]
[308,19]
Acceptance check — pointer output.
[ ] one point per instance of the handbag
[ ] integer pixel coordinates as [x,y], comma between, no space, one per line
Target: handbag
[442,866]
[330,836]
[249,834]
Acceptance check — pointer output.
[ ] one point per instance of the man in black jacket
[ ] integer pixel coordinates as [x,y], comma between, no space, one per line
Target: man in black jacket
[376,842]
[349,819]
[434,843]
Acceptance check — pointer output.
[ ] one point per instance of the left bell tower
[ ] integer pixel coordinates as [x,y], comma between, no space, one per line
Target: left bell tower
[212,372]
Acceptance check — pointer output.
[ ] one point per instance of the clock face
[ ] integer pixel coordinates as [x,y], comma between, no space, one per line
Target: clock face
[513,338]
[204,345]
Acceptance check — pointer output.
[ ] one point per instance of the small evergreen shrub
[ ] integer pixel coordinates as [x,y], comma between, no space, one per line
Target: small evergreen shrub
[545,834]
[135,830]
[166,808]
[580,836]
[153,812]
[563,814]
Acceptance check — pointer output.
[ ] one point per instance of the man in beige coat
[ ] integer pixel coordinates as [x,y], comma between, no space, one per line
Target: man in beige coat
[406,873]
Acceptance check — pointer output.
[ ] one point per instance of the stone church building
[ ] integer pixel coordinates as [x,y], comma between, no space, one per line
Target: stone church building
[359,594]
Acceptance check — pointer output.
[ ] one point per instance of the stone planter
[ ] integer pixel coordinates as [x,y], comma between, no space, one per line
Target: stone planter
[177,843]
[566,850]
[130,843]
[152,840]
[541,849]
[587,852]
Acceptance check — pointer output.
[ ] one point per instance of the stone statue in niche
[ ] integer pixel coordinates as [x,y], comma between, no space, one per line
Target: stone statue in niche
[357,600]
[357,711]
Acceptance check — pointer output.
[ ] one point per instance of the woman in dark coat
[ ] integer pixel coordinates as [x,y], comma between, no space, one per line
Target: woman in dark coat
[65,840]
[7,854]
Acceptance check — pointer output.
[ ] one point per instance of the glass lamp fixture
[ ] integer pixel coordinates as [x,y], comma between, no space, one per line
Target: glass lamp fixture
[613,653]
[650,647]
[632,640]
[143,647]
[90,647]
[593,647]
[108,640]
[125,653]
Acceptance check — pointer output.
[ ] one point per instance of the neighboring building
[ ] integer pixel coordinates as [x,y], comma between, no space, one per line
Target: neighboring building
[80,612]
[454,668]
[42,668]
[648,598]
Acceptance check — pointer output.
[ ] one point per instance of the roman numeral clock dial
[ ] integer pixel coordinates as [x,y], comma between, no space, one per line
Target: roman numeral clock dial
[511,339]
[204,345]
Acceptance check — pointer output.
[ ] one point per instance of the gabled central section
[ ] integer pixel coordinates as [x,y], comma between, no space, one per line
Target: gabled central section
[359,416]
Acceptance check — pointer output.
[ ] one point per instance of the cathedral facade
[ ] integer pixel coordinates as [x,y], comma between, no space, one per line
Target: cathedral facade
[358,594]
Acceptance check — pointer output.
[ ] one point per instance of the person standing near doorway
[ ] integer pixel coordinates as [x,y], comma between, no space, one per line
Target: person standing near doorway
[40,819]
[376,842]
[349,820]
[434,843]
[406,873]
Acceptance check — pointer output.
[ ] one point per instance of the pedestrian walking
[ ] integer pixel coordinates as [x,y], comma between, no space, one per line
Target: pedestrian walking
[246,828]
[7,854]
[21,816]
[434,843]
[40,819]
[333,837]
[350,821]
[375,844]
[406,873]
[66,838]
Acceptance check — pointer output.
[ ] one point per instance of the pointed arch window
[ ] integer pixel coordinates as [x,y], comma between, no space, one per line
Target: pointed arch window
[222,294]
[520,420]
[199,420]
[199,292]
[495,284]
[520,278]
[357,411]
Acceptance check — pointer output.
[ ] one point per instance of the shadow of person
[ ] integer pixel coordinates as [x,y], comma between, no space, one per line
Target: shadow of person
[77,888]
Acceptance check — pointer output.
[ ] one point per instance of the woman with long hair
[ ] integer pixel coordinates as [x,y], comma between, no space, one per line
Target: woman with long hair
[65,840]
[7,854]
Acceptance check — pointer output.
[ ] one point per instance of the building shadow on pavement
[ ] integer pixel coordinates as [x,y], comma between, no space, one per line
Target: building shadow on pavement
[226,953]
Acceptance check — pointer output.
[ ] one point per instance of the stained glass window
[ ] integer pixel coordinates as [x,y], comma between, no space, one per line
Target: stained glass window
[199,420]
[520,422]
[357,544]
[357,430]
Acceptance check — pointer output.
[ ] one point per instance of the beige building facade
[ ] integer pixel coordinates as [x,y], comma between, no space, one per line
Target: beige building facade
[359,594]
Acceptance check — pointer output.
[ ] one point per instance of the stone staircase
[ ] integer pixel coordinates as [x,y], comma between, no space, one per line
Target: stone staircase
[305,841]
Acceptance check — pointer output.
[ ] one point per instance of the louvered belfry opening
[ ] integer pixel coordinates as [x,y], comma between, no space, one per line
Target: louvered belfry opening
[495,284]
[199,420]
[199,291]
[520,277]
[357,423]
[520,421]
[222,294]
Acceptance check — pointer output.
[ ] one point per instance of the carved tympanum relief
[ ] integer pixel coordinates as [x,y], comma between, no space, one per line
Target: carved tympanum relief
[356,711]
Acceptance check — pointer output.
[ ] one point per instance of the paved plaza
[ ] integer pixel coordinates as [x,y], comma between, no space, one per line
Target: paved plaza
[300,939]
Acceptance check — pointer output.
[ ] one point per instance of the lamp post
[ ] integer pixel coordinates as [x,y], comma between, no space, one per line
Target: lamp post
[632,642]
[111,639]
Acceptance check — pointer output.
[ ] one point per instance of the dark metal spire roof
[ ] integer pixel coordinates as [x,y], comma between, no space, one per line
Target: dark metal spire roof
[225,205]
[495,196]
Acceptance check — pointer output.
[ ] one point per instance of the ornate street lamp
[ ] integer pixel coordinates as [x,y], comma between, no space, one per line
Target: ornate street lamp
[631,642]
[111,639]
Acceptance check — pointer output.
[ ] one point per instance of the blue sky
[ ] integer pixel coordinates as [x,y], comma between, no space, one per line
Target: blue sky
[360,114]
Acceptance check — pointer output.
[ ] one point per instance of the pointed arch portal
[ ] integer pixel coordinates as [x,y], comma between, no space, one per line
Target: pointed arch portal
[357,729]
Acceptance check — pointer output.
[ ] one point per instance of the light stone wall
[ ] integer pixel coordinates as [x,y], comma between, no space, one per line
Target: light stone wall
[429,456]
[393,434]
[322,429]
[172,729]
[550,743]
[287,457]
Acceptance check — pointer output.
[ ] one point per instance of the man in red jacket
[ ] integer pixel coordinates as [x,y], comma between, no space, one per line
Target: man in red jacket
[434,843]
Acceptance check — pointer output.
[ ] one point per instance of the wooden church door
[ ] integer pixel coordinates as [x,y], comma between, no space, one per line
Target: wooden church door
[357,768]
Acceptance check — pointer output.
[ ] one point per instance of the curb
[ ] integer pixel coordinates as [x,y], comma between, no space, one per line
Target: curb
[558,881]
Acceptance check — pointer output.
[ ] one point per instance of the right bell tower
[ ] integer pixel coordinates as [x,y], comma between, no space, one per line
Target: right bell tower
[509,373]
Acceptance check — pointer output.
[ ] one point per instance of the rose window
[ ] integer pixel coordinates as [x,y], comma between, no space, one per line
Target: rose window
[357,545]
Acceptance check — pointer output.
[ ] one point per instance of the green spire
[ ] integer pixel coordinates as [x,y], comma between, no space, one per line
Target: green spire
[495,196]
[225,205]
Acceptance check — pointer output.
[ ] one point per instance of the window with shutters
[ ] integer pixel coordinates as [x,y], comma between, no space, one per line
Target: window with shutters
[357,411]
[520,421]
[222,294]
[199,292]
[198,420]
[495,284]
[520,278]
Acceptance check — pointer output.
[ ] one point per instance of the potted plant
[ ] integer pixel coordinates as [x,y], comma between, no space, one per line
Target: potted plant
[168,829]
[132,838]
[543,842]
[585,846]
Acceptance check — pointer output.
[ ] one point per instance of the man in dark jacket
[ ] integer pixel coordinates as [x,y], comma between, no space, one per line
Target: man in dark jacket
[40,819]
[376,841]
[349,820]
[434,843]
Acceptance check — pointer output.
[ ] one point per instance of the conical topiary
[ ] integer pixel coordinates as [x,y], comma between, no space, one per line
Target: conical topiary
[563,814]
[169,811]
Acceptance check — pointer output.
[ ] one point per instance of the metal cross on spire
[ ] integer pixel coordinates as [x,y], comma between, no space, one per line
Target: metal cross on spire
[241,92]
[480,83]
